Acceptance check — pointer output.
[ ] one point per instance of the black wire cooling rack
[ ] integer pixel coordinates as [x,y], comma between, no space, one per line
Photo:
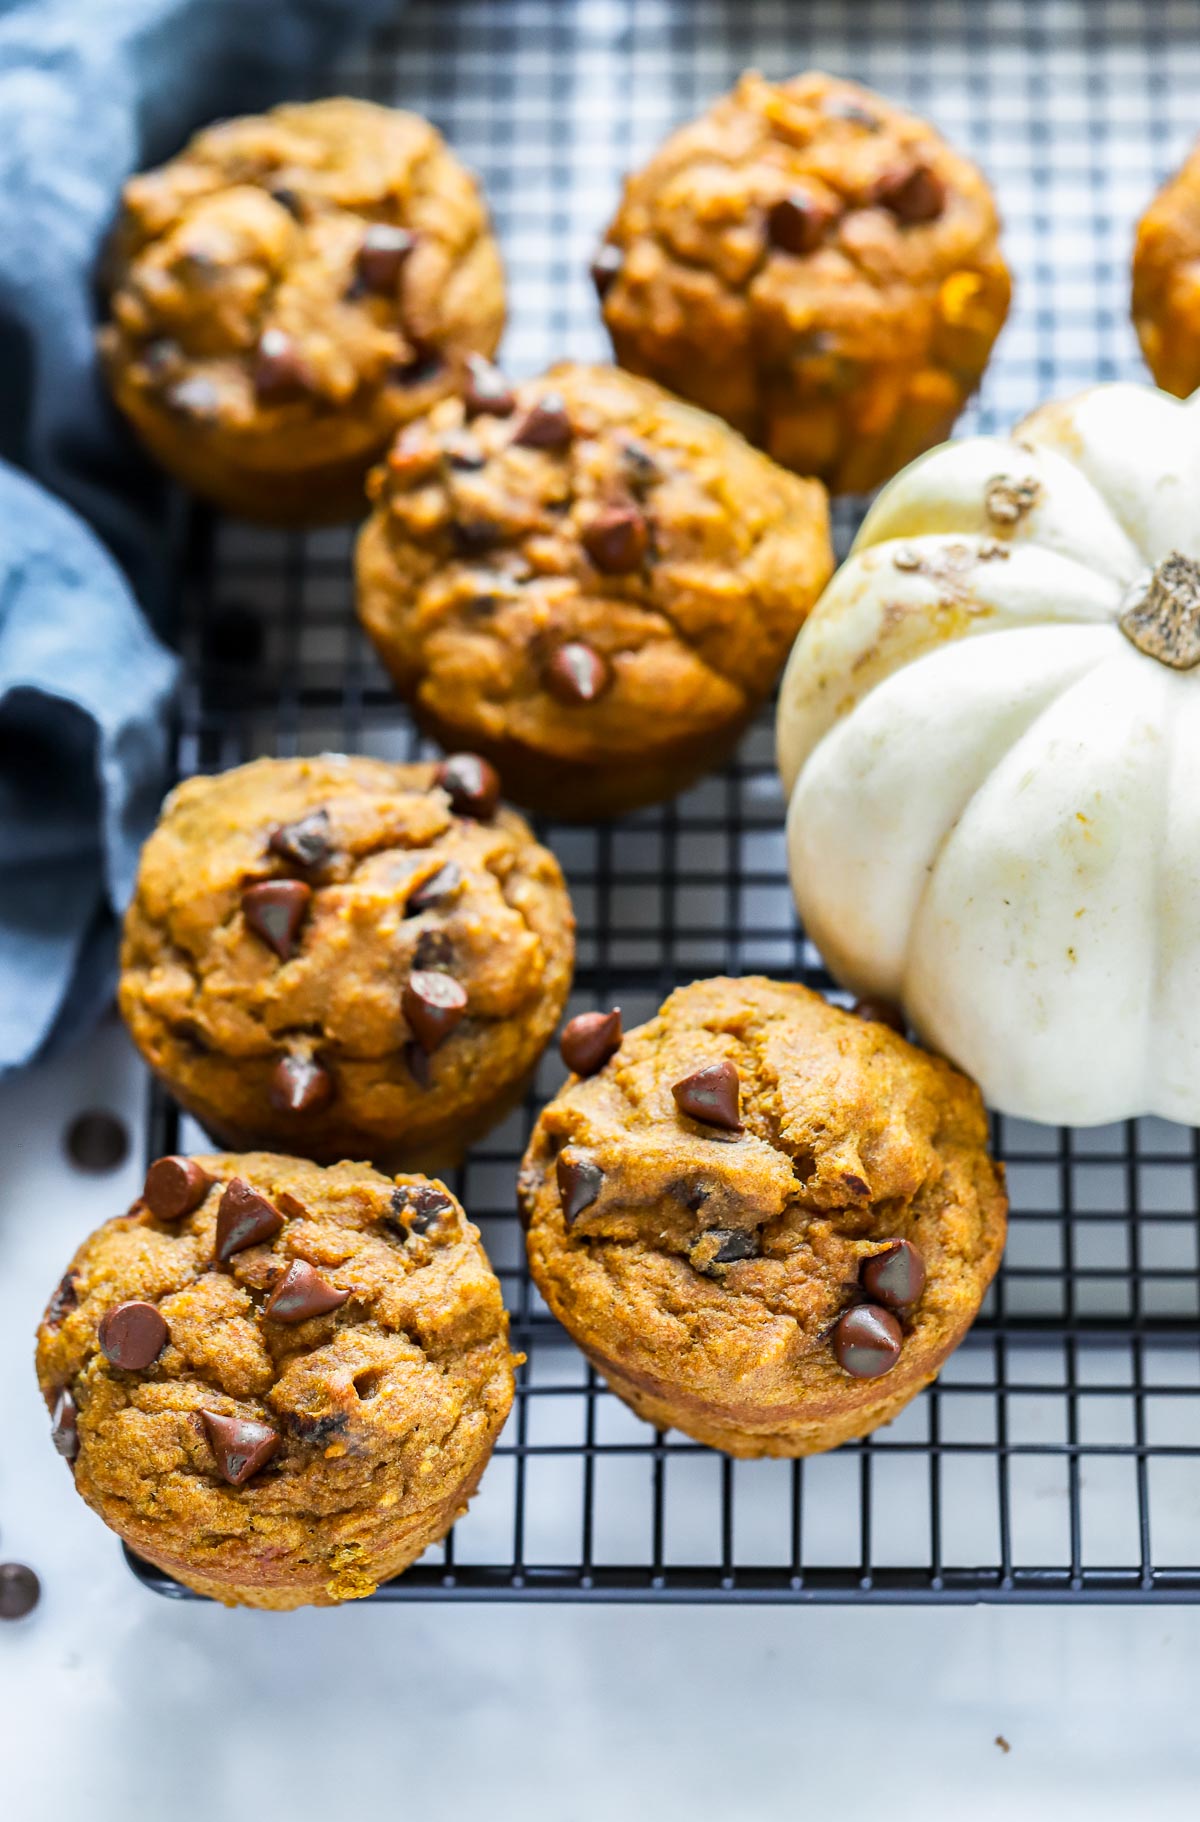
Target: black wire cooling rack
[1058,1456]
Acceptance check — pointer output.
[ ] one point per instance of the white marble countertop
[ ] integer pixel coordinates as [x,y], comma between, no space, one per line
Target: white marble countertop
[113,1701]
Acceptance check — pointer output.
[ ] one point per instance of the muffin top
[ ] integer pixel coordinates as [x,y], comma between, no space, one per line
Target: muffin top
[342,920]
[719,1190]
[288,1368]
[329,259]
[586,566]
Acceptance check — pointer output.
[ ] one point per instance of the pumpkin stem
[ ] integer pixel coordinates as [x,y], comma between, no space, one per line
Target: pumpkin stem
[1161,613]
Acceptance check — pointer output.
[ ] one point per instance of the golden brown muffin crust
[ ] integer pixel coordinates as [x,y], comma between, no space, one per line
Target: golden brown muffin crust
[405,886]
[291,288]
[386,1409]
[1166,281]
[646,532]
[852,1139]
[815,265]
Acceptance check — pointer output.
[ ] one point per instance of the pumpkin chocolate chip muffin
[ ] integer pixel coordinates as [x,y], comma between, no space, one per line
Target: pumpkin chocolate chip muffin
[765,1221]
[278,1383]
[817,266]
[287,291]
[1166,281]
[344,958]
[588,581]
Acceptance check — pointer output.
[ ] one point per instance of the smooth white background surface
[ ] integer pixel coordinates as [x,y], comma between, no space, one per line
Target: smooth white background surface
[114,1702]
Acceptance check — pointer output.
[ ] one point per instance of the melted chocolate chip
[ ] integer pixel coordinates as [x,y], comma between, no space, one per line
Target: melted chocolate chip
[302,1293]
[576,674]
[436,889]
[279,372]
[97,1141]
[867,1341]
[895,1278]
[433,1004]
[65,1432]
[616,540]
[880,1012]
[471,784]
[718,1246]
[418,1207]
[606,268]
[19,1591]
[434,950]
[381,257]
[486,393]
[133,1335]
[275,910]
[589,1040]
[299,1084]
[240,1445]
[318,1430]
[64,1300]
[244,1218]
[711,1095]
[545,425]
[579,1181]
[912,193]
[307,843]
[174,1187]
[798,223]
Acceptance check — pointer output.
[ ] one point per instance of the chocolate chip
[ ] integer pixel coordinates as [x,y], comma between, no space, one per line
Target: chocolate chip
[641,468]
[545,425]
[299,1084]
[616,540]
[307,843]
[423,367]
[434,950]
[711,1095]
[174,1187]
[97,1141]
[912,193]
[579,1181]
[194,397]
[434,890]
[287,199]
[279,372]
[433,1004]
[133,1335]
[606,268]
[382,255]
[880,1012]
[64,1300]
[867,1341]
[486,393]
[19,1591]
[275,910]
[471,537]
[471,784]
[718,1246]
[462,451]
[897,1277]
[240,1445]
[244,1218]
[416,1207]
[302,1292]
[798,223]
[589,1040]
[576,674]
[65,1433]
[419,1065]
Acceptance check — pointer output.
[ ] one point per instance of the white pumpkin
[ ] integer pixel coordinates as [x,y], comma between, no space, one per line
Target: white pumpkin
[989,729]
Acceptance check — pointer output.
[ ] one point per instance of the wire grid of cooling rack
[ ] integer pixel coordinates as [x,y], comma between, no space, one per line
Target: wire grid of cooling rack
[1059,1454]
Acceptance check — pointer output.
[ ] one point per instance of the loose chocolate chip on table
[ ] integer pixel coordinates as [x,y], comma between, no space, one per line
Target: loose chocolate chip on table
[896,1277]
[616,540]
[576,674]
[798,223]
[65,1432]
[381,256]
[433,1004]
[432,891]
[97,1141]
[299,1085]
[174,1187]
[302,1292]
[606,267]
[913,193]
[418,1064]
[579,1181]
[711,1095]
[307,843]
[240,1445]
[589,1040]
[721,1246]
[133,1335]
[243,1219]
[880,1012]
[487,392]
[867,1341]
[279,372]
[19,1591]
[416,1207]
[275,910]
[545,425]
[471,784]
